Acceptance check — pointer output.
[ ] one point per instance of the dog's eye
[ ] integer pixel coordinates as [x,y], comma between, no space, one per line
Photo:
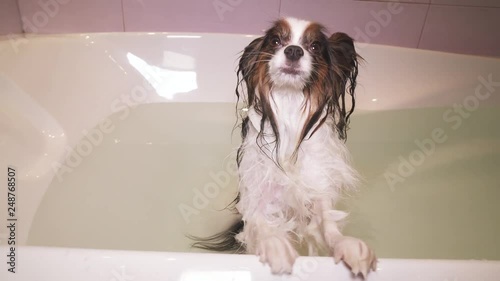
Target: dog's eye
[315,47]
[275,41]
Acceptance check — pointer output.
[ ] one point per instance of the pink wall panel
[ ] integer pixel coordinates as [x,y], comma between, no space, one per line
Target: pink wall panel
[71,16]
[10,21]
[390,23]
[228,16]
[401,1]
[444,25]
[467,30]
[474,3]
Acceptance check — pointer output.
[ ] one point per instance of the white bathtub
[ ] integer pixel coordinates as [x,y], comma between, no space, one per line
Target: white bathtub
[122,145]
[38,263]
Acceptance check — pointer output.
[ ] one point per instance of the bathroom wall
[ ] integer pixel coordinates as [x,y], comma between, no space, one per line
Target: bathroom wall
[444,209]
[459,26]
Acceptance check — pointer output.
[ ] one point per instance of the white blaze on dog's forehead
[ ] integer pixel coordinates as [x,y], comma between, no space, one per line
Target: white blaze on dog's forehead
[297,28]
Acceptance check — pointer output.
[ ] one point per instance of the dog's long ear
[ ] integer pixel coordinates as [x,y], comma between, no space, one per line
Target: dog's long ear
[343,52]
[344,72]
[246,68]
[249,57]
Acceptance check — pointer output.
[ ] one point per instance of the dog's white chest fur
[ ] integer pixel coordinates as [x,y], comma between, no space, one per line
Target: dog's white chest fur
[290,116]
[285,195]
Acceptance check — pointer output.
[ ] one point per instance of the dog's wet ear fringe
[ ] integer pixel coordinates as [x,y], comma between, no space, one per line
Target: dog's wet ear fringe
[224,241]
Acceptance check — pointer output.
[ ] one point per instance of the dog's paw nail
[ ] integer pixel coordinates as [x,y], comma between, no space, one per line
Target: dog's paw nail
[279,254]
[374,265]
[364,272]
[356,255]
[337,258]
[363,268]
[355,270]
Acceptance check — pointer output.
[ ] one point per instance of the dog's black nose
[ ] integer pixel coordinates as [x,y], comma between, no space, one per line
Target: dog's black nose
[293,52]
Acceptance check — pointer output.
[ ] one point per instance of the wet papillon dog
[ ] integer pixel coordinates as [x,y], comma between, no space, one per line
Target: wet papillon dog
[297,85]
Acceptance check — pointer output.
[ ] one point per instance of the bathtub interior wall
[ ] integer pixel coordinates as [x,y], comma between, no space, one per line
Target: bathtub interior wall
[126,141]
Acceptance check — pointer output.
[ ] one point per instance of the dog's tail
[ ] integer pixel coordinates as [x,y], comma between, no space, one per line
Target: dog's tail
[224,241]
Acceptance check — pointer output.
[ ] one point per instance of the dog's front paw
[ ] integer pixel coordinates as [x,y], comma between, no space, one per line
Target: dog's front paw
[278,253]
[356,254]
